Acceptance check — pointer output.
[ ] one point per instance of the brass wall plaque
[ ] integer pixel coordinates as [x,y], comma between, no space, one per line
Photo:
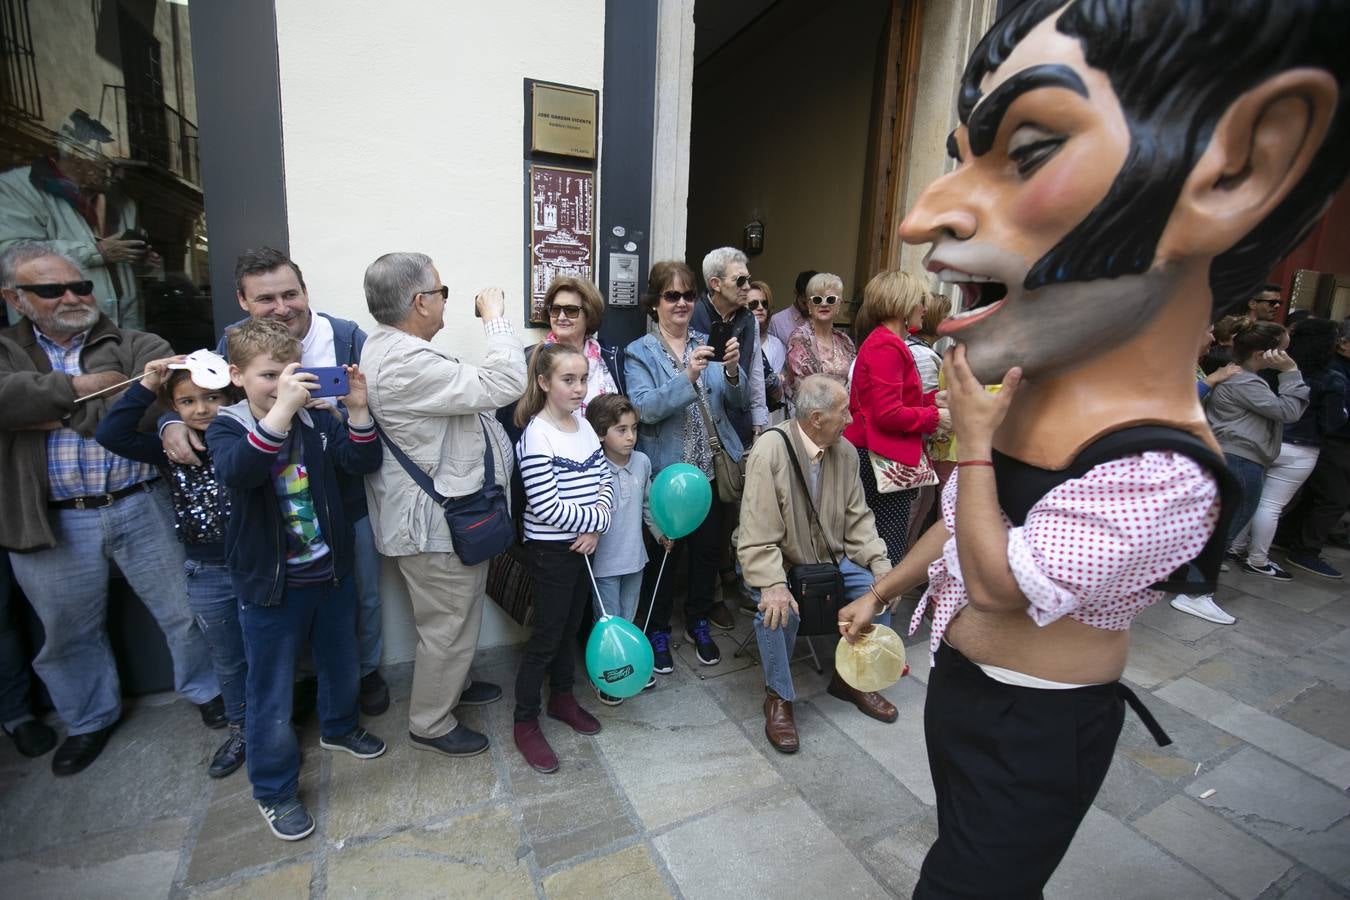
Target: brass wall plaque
[563,120]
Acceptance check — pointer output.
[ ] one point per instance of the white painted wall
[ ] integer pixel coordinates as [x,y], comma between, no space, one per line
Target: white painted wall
[402,128]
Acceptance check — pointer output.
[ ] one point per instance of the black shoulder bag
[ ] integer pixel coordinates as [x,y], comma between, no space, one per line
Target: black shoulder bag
[480,524]
[817,587]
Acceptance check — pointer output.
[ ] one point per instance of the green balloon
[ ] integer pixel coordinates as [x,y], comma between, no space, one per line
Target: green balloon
[680,499]
[618,657]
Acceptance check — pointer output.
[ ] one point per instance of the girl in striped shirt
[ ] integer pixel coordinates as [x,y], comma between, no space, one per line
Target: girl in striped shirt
[567,508]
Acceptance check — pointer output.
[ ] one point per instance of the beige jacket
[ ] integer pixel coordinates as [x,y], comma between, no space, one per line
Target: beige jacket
[776,531]
[427,402]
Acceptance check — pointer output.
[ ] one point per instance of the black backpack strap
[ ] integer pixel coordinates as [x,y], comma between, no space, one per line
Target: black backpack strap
[1202,574]
[796,466]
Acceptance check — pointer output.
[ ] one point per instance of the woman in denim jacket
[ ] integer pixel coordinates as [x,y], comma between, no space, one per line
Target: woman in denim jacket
[667,372]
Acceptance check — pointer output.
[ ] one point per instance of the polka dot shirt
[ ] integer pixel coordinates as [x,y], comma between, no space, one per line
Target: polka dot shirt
[1090,548]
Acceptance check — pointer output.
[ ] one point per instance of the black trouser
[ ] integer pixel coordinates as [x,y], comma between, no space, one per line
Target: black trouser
[1325,498]
[703,547]
[562,594]
[1015,770]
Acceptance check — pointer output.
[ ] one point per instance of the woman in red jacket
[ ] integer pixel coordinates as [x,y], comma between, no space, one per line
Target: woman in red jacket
[891,413]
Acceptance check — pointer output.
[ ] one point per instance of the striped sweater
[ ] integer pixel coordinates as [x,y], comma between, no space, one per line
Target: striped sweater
[568,485]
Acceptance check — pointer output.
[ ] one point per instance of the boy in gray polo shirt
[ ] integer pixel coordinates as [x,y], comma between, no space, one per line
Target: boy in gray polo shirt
[620,556]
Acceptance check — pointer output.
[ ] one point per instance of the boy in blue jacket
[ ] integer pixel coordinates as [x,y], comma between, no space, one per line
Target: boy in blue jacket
[289,549]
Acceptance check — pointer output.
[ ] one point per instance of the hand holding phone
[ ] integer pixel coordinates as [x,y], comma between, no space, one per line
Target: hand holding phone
[332,381]
[718,335]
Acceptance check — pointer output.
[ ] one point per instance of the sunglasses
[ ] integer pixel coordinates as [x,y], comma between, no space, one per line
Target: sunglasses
[830,300]
[1273,303]
[54,291]
[742,282]
[557,311]
[756,304]
[442,290]
[676,296]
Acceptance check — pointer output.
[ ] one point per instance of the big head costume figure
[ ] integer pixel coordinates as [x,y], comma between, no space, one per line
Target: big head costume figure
[1126,171]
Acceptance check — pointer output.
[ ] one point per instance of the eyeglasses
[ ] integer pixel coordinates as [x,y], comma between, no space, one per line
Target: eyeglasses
[756,304]
[558,311]
[829,300]
[55,291]
[673,297]
[442,290]
[742,282]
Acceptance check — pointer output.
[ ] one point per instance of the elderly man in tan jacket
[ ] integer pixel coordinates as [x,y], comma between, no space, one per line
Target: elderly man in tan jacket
[777,532]
[438,411]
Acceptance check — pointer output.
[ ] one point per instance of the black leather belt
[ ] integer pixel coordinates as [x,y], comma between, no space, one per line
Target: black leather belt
[100,501]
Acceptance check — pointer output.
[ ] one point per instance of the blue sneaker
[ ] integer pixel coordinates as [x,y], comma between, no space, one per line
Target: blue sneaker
[663,663]
[358,742]
[289,820]
[1314,564]
[701,634]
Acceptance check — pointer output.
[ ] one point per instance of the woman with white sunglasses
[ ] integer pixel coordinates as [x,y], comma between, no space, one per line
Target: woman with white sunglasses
[817,347]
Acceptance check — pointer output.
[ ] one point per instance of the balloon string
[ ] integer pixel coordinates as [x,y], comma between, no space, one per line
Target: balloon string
[598,598]
[652,605]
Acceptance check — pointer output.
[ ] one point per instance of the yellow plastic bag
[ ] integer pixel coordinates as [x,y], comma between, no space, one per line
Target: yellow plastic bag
[875,662]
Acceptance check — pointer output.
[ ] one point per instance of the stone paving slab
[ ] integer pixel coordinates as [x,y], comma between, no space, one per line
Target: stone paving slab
[1323,711]
[286,883]
[897,746]
[152,771]
[127,862]
[1237,863]
[1263,682]
[1311,753]
[1288,809]
[1107,859]
[675,754]
[478,855]
[405,786]
[629,874]
[771,844]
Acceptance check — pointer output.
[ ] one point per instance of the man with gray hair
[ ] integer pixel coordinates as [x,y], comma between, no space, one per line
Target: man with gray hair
[438,411]
[726,273]
[802,466]
[65,198]
[71,506]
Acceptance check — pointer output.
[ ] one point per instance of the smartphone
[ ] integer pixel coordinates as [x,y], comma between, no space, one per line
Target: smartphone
[332,381]
[718,335]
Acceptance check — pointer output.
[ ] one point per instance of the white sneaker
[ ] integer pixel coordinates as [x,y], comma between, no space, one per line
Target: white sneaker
[1202,607]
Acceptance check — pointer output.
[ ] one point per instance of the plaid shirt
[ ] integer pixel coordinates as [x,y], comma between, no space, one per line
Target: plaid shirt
[78,466]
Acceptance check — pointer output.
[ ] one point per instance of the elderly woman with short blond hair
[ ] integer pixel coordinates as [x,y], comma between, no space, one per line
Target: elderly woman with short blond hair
[817,347]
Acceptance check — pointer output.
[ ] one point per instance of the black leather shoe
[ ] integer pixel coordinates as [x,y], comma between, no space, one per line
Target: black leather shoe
[229,756]
[374,694]
[32,738]
[213,712]
[79,750]
[480,693]
[458,741]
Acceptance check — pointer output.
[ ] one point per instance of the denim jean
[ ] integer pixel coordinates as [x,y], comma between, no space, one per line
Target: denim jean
[619,594]
[775,644]
[1250,476]
[216,608]
[560,588]
[369,626]
[68,588]
[325,616]
[14,701]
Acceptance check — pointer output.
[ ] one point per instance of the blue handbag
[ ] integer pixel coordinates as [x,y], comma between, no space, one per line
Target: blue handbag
[480,523]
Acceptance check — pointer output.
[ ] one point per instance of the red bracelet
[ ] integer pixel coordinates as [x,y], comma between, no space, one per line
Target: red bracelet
[974,462]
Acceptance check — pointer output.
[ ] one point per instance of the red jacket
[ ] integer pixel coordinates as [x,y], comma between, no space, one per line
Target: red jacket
[891,413]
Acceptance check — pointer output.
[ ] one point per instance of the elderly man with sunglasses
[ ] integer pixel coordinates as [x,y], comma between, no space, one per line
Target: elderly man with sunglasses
[72,507]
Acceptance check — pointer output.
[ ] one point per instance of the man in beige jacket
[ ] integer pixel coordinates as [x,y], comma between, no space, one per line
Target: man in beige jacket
[428,404]
[777,532]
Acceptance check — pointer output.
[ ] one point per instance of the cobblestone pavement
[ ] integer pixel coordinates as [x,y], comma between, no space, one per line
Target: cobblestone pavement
[680,795]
